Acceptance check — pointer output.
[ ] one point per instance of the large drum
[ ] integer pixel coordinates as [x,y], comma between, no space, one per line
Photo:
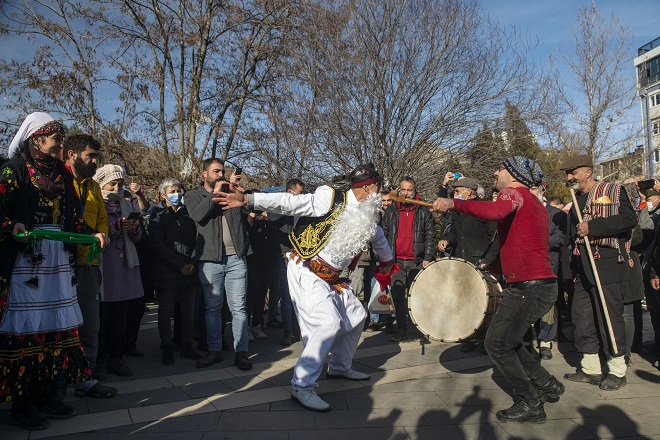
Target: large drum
[451,300]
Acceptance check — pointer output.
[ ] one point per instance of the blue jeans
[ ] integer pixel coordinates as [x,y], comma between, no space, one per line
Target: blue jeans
[518,309]
[229,274]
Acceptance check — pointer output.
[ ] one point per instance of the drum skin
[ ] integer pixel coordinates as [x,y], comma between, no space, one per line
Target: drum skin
[452,301]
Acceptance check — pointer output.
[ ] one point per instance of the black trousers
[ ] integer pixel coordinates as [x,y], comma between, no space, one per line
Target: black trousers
[591,334]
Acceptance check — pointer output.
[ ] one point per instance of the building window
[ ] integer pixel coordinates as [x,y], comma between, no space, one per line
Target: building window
[655,99]
[656,127]
[656,156]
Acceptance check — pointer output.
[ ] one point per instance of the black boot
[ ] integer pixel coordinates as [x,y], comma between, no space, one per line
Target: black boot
[523,412]
[551,390]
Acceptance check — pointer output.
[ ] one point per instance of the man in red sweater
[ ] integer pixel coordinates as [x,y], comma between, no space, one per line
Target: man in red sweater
[531,286]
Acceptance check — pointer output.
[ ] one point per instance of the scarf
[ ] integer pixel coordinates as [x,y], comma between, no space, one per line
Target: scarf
[45,172]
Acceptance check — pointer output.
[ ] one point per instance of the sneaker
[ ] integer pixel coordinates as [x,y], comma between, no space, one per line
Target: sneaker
[189,352]
[168,355]
[372,327]
[613,383]
[242,362]
[29,419]
[119,367]
[56,409]
[308,398]
[250,335]
[258,333]
[399,335]
[287,339]
[551,390]
[545,353]
[580,376]
[212,358]
[349,374]
[523,412]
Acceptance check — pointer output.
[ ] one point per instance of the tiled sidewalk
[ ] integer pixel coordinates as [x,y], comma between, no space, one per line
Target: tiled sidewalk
[441,394]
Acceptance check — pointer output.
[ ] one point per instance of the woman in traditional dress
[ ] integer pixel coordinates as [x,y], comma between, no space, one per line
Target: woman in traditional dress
[40,351]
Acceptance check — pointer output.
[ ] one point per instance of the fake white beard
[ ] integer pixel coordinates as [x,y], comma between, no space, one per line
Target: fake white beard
[354,227]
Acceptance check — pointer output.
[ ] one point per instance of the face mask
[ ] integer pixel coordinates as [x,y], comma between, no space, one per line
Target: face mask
[174,199]
[111,196]
[459,197]
[649,205]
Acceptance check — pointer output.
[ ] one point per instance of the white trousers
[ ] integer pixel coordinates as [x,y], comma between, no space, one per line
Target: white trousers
[330,322]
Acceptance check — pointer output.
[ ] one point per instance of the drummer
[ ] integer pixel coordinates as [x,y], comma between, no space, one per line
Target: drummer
[470,238]
[531,286]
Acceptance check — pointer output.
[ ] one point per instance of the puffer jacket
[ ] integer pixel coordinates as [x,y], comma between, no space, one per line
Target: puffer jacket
[424,231]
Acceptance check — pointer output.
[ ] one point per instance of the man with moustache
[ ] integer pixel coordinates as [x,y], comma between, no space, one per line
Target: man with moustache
[608,219]
[81,152]
[410,232]
[531,286]
[222,248]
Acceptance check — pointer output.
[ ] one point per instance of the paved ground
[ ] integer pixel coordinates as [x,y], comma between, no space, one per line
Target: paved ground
[434,393]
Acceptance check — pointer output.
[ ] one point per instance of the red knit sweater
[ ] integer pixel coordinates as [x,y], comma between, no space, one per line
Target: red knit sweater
[523,225]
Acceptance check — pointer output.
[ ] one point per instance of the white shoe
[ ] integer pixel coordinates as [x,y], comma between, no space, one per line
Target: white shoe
[250,335]
[308,398]
[258,333]
[350,374]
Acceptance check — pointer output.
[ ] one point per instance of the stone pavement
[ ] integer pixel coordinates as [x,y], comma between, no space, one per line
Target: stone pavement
[418,392]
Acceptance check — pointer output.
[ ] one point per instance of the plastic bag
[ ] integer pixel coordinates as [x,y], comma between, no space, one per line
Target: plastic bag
[381,300]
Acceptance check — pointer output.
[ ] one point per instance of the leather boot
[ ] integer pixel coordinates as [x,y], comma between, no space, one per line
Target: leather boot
[551,390]
[523,412]
[212,358]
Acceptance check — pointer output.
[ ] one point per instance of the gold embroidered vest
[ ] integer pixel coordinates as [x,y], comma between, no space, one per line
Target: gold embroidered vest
[312,233]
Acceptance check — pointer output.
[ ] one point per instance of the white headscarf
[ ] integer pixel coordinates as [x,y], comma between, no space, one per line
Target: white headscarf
[32,123]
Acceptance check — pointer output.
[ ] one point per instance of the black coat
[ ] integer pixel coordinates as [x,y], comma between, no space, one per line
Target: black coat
[172,239]
[610,270]
[473,239]
[424,231]
[558,219]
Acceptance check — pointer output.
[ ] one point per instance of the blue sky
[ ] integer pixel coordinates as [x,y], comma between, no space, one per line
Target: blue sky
[551,20]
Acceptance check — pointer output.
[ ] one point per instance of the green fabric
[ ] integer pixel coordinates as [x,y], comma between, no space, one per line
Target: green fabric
[66,237]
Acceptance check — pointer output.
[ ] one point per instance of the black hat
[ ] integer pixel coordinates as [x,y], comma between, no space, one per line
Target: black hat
[363,175]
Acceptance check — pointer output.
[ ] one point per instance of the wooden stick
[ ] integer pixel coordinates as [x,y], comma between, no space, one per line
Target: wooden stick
[596,276]
[394,195]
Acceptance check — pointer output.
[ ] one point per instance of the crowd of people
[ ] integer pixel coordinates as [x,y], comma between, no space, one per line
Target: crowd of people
[219,253]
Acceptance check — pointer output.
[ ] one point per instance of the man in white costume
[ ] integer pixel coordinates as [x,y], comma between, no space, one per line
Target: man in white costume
[336,224]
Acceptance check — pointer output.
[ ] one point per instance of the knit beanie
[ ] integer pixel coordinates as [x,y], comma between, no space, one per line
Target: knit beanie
[108,173]
[524,170]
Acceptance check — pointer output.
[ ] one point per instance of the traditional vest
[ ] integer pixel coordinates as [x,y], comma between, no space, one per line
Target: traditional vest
[604,200]
[312,233]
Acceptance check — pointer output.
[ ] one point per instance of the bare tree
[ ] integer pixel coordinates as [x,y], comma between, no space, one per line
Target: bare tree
[594,86]
[63,74]
[405,84]
[197,63]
